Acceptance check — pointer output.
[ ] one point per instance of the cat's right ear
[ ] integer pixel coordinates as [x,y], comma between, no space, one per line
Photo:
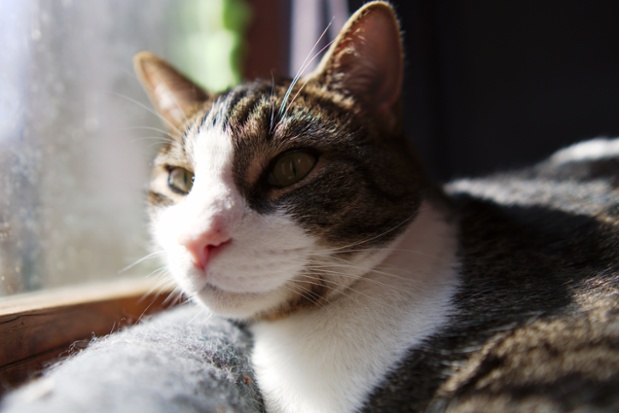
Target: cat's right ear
[366,61]
[175,96]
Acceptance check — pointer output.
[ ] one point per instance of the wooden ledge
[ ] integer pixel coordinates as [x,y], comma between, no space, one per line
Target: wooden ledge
[41,327]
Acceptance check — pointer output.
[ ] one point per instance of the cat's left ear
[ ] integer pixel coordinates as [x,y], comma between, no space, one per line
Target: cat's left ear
[175,97]
[366,60]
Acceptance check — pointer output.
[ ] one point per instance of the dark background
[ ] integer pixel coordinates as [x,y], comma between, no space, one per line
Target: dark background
[499,84]
[490,84]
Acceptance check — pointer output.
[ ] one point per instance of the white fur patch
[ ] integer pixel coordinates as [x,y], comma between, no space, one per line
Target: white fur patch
[329,359]
[588,151]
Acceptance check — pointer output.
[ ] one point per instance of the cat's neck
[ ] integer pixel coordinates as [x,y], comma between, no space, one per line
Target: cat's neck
[321,360]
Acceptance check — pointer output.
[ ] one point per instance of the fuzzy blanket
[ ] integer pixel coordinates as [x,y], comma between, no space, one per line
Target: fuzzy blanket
[175,362]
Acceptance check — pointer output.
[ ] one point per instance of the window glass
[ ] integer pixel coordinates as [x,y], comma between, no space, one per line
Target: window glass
[77,132]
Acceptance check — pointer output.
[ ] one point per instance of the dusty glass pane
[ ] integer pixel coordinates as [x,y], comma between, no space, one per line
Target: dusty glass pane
[77,133]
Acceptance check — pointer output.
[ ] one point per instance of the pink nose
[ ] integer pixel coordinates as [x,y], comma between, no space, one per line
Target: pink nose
[202,246]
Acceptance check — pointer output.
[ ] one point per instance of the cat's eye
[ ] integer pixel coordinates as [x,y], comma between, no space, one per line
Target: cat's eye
[180,180]
[291,167]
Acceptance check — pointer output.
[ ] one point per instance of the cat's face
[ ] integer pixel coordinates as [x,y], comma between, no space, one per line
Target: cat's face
[265,201]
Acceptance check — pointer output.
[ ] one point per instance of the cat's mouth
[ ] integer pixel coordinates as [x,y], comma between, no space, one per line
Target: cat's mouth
[203,248]
[212,251]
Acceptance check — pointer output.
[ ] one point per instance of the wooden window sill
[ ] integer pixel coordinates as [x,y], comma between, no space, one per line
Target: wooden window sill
[41,327]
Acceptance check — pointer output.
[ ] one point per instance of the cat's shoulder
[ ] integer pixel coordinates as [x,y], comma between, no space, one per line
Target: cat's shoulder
[592,161]
[580,180]
[557,216]
[587,151]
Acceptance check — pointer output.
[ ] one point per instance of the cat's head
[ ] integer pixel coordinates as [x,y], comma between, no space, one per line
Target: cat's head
[277,196]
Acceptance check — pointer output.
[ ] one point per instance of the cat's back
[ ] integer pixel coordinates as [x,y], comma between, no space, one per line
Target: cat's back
[556,223]
[535,323]
[544,244]
[541,247]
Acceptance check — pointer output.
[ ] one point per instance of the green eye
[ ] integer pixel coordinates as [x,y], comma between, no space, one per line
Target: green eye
[291,167]
[180,180]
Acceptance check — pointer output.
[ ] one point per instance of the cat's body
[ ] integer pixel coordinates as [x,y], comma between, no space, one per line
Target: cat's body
[535,322]
[364,285]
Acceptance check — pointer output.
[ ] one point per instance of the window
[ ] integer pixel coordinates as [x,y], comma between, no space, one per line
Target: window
[76,137]
[77,132]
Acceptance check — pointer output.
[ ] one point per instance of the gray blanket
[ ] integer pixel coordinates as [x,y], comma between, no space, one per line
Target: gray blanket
[178,361]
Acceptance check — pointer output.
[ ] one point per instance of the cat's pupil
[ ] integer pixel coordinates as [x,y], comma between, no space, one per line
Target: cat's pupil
[180,180]
[291,167]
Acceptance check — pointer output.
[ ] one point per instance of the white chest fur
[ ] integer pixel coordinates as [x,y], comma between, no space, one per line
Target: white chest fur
[328,359]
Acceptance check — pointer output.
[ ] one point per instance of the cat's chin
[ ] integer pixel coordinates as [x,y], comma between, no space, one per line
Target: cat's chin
[240,306]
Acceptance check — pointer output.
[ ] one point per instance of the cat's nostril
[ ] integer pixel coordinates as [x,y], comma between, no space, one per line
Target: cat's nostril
[204,246]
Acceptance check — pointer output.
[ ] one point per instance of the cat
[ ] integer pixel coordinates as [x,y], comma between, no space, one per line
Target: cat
[297,207]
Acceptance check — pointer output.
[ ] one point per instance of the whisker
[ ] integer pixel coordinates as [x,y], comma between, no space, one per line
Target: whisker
[348,291]
[306,292]
[175,297]
[308,79]
[154,292]
[203,311]
[162,284]
[154,112]
[328,268]
[271,122]
[165,279]
[369,279]
[141,260]
[150,128]
[339,253]
[155,140]
[304,66]
[346,248]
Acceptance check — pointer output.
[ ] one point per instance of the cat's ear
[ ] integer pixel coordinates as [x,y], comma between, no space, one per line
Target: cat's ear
[365,59]
[175,96]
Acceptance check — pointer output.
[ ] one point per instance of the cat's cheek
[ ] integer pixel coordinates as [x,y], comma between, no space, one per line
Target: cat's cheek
[265,254]
[252,279]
